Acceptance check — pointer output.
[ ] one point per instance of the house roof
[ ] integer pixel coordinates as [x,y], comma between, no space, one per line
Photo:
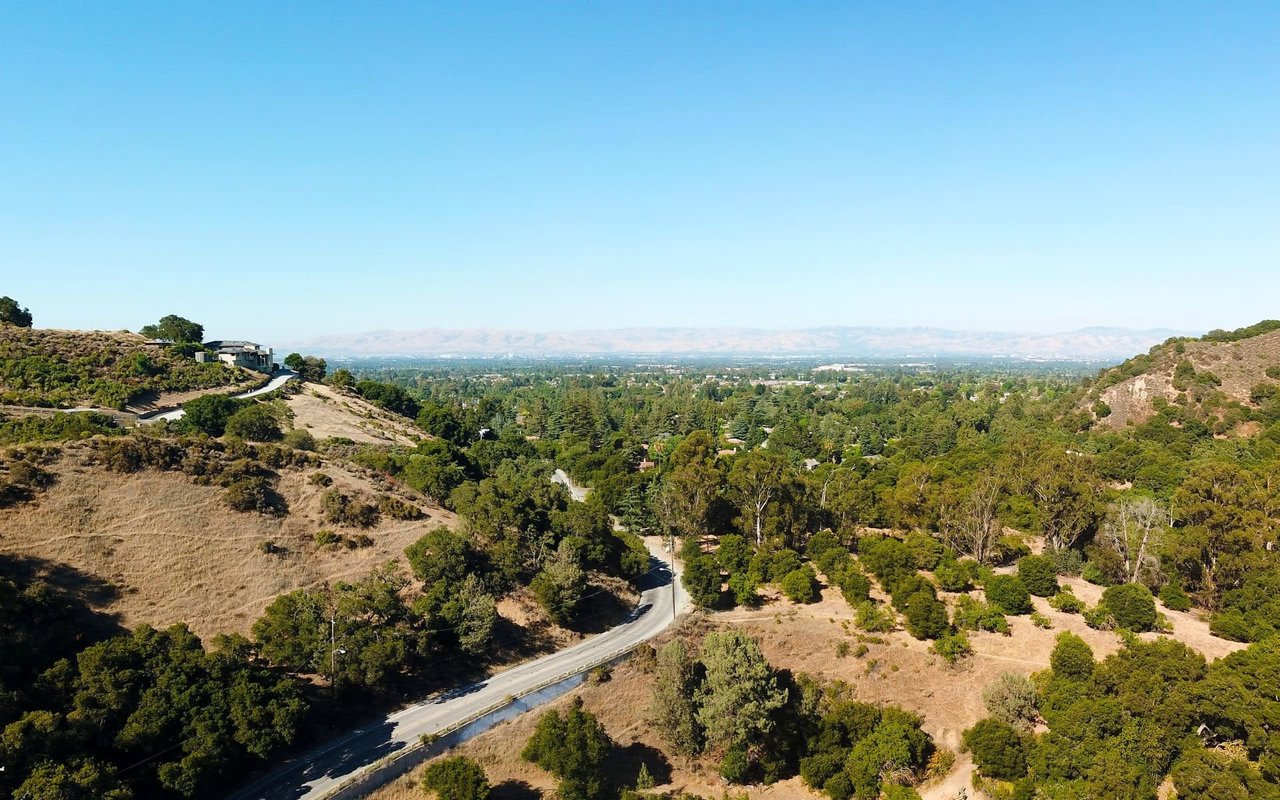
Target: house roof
[235,346]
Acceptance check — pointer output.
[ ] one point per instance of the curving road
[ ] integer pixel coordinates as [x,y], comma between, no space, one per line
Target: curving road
[317,774]
[277,380]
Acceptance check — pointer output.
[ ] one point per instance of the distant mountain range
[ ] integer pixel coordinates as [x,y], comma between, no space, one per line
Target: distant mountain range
[871,342]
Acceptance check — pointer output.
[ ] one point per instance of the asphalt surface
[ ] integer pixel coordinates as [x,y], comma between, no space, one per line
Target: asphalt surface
[577,492]
[279,379]
[316,774]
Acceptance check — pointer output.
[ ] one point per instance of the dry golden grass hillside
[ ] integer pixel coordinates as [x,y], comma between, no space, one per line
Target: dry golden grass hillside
[1239,366]
[326,413]
[175,552]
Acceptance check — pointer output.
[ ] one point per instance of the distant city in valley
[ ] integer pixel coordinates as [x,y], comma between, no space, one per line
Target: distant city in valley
[1085,344]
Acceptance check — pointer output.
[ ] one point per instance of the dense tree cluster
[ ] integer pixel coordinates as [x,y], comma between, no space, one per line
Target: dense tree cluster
[85,713]
[1119,727]
[765,725]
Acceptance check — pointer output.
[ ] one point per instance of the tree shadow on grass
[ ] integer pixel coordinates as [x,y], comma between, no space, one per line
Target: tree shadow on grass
[623,764]
[514,790]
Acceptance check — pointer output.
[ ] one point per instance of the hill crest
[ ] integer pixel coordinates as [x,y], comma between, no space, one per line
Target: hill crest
[1208,374]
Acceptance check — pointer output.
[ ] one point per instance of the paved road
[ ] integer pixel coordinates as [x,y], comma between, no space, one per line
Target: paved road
[577,492]
[279,379]
[316,774]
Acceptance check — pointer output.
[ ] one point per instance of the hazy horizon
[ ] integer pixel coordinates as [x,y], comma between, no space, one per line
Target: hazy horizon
[284,172]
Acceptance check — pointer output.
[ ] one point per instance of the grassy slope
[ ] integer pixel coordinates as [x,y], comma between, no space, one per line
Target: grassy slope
[174,551]
[65,369]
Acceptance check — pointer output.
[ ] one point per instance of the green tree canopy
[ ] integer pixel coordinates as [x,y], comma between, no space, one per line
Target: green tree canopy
[175,329]
[456,778]
[740,694]
[13,314]
[572,747]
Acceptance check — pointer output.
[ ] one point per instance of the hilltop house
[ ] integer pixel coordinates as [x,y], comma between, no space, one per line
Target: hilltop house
[249,355]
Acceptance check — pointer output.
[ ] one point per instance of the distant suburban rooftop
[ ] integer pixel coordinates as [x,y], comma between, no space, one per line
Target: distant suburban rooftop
[233,346]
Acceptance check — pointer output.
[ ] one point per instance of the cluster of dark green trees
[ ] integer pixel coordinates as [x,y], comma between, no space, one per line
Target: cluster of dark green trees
[766,725]
[89,712]
[1118,727]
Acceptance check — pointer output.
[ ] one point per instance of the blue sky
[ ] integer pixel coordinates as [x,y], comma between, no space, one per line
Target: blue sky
[309,168]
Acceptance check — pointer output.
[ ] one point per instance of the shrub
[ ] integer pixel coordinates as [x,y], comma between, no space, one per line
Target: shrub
[341,509]
[926,616]
[1040,620]
[456,778]
[925,549]
[819,768]
[300,439]
[819,544]
[955,576]
[1012,700]
[874,618]
[1066,602]
[1174,598]
[1093,574]
[1066,561]
[1008,593]
[782,563]
[396,508]
[1011,548]
[839,786]
[855,586]
[325,537]
[210,413]
[998,749]
[254,423]
[1072,657]
[975,615]
[254,494]
[1132,606]
[888,559]
[320,479]
[908,586]
[801,585]
[735,767]
[1099,618]
[1039,575]
[953,647]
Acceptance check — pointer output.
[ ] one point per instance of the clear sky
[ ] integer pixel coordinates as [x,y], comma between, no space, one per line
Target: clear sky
[312,168]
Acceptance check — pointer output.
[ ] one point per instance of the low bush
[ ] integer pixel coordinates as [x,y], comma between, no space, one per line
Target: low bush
[801,585]
[1132,606]
[1072,658]
[874,618]
[342,509]
[300,439]
[1039,575]
[1066,602]
[255,494]
[953,647]
[955,576]
[925,549]
[1009,594]
[975,615]
[1174,598]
